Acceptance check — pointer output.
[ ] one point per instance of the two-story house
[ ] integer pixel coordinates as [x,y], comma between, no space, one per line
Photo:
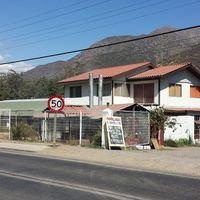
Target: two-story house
[174,87]
[117,89]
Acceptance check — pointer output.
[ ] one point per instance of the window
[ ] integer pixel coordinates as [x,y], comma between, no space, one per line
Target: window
[175,90]
[75,91]
[122,89]
[194,91]
[144,93]
[106,89]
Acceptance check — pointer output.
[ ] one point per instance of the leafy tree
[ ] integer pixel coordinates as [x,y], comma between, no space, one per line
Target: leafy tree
[159,120]
[14,86]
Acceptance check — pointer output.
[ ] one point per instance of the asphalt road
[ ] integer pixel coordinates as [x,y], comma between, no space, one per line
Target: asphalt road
[32,177]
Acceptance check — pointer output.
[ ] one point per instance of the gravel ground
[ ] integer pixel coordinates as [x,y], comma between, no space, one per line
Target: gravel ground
[184,160]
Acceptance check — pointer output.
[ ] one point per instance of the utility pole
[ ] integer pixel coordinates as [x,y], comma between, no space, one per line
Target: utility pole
[91,95]
[100,90]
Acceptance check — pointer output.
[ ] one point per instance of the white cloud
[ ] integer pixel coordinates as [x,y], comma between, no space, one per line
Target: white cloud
[18,67]
[1,57]
[4,56]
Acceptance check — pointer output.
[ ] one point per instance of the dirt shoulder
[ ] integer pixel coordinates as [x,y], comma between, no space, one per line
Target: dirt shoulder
[185,160]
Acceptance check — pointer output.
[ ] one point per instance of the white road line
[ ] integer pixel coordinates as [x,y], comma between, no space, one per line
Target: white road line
[67,185]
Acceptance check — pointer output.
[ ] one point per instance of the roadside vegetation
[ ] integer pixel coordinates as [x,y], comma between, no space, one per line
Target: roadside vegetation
[15,86]
[95,141]
[158,121]
[24,132]
[180,143]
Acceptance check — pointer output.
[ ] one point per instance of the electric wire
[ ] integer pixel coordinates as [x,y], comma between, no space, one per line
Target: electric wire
[57,16]
[141,52]
[44,13]
[74,21]
[101,46]
[102,26]
[91,21]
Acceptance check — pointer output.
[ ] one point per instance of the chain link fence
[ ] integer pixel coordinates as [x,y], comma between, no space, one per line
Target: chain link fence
[135,125]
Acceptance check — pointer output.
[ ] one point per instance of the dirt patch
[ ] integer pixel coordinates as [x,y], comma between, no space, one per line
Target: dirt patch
[172,160]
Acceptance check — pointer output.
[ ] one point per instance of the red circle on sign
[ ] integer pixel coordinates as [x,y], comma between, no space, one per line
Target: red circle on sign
[55,103]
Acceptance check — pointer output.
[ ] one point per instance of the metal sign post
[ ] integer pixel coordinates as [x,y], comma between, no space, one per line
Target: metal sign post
[80,129]
[54,129]
[55,104]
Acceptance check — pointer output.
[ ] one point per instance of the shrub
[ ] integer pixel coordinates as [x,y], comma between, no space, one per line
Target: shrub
[170,143]
[23,132]
[178,143]
[97,139]
[183,142]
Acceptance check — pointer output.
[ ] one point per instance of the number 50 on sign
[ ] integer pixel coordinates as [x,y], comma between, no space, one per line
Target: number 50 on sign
[56,103]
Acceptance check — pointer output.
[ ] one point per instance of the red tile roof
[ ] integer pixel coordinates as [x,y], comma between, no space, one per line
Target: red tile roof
[160,71]
[178,109]
[73,110]
[106,72]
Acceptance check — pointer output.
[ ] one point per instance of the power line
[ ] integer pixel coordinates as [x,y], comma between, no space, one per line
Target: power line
[75,21]
[103,26]
[173,46]
[44,13]
[101,46]
[57,16]
[94,20]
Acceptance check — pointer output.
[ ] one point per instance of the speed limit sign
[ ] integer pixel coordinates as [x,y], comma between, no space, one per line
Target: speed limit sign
[56,103]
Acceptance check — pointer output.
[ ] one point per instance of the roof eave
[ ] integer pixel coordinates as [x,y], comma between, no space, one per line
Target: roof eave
[80,81]
[146,78]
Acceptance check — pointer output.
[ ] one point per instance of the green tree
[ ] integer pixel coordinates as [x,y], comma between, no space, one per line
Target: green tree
[159,120]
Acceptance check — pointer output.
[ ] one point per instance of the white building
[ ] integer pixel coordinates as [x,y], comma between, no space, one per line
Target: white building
[174,87]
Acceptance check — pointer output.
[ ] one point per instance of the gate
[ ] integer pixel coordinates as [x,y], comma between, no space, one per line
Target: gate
[5,123]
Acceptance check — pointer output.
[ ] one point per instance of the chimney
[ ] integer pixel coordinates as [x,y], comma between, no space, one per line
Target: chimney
[100,90]
[91,96]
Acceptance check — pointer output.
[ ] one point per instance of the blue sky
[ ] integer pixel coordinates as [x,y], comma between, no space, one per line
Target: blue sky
[39,27]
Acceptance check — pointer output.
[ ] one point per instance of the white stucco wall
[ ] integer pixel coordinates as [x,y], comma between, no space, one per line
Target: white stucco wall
[185,78]
[122,100]
[183,129]
[84,100]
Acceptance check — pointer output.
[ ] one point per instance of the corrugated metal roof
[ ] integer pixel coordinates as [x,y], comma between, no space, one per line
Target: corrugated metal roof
[106,72]
[96,111]
[160,71]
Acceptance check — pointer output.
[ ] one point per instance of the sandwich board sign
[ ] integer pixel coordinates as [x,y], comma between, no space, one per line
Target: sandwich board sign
[115,132]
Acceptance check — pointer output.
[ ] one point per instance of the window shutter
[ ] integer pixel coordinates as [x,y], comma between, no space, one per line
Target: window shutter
[194,91]
[171,90]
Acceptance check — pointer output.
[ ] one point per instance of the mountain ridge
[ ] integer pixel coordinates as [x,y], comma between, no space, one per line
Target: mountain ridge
[173,48]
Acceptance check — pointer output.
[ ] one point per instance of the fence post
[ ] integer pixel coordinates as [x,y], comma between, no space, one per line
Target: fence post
[45,126]
[80,129]
[9,123]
